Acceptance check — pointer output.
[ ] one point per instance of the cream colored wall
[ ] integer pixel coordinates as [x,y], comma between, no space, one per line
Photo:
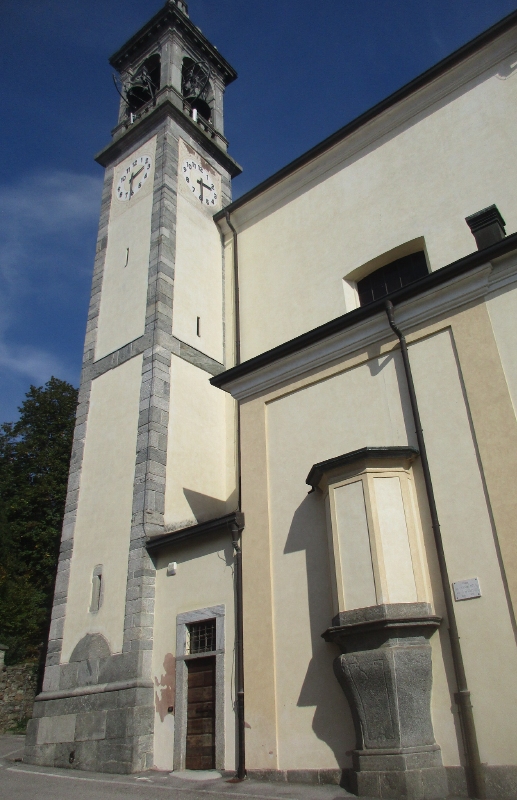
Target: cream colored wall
[199,272]
[204,578]
[502,308]
[124,288]
[104,507]
[361,406]
[200,476]
[484,623]
[356,408]
[198,280]
[419,180]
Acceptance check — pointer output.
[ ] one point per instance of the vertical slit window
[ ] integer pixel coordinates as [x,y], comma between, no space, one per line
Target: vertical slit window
[97,588]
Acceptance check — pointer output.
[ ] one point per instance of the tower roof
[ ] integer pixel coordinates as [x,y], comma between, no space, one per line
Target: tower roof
[173,15]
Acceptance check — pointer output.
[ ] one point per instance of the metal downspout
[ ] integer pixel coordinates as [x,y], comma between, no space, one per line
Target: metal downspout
[474,769]
[236,535]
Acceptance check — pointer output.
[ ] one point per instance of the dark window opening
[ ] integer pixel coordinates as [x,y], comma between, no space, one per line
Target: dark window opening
[144,84]
[392,277]
[195,86]
[201,637]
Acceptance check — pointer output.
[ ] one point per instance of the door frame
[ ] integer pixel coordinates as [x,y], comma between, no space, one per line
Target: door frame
[181,700]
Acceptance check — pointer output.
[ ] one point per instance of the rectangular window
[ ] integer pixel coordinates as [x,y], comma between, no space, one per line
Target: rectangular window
[391,277]
[201,637]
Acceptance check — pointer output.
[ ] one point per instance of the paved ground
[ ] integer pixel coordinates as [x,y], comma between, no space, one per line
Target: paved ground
[20,781]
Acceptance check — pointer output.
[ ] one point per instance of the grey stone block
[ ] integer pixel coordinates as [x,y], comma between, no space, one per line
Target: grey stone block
[65,755]
[501,782]
[53,730]
[86,756]
[120,667]
[90,726]
[116,723]
[307,776]
[68,676]
[32,732]
[93,645]
[272,775]
[42,755]
[88,672]
[456,781]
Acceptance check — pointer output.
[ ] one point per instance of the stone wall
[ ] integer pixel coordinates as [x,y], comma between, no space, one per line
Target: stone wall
[17,692]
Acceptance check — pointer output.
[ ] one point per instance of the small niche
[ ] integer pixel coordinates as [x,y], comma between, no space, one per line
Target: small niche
[97,590]
[198,326]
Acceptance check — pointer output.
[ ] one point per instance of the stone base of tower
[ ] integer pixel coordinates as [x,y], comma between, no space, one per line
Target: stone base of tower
[99,716]
[110,730]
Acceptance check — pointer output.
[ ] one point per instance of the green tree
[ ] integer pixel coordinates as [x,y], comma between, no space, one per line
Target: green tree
[34,461]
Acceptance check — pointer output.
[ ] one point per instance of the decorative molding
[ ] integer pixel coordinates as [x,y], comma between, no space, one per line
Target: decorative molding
[364,454]
[143,343]
[116,686]
[418,304]
[155,543]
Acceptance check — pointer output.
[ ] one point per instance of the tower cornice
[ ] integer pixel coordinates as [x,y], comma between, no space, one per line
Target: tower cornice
[170,16]
[165,108]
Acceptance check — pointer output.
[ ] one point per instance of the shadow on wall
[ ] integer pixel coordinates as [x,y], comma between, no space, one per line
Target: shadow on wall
[205,507]
[332,721]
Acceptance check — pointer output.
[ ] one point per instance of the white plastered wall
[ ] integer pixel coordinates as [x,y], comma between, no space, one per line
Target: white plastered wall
[198,273]
[200,479]
[356,202]
[357,408]
[124,283]
[204,579]
[104,509]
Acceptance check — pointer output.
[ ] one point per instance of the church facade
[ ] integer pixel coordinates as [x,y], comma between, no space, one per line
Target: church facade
[289,545]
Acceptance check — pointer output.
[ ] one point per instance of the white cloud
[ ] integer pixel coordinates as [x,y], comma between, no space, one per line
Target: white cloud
[35,364]
[38,206]
[47,223]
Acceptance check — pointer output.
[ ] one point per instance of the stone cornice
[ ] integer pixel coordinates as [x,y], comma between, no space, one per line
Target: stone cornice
[165,107]
[171,17]
[399,108]
[363,455]
[442,291]
[155,543]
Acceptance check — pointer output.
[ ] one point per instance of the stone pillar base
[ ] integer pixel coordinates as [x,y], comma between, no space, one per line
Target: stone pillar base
[385,671]
[411,772]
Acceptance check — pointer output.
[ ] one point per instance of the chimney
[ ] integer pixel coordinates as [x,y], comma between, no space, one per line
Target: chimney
[487,226]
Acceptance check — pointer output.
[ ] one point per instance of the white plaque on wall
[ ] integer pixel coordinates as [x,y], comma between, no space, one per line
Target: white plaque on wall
[466,590]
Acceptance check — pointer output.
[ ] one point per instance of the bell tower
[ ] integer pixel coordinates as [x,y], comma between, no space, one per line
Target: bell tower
[152,437]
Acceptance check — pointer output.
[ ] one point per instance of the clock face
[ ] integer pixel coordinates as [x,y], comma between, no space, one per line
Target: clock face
[133,177]
[200,181]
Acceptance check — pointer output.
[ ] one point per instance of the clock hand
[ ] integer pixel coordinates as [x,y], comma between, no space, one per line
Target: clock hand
[132,178]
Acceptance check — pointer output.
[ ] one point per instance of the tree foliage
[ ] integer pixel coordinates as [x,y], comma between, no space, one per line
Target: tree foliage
[34,461]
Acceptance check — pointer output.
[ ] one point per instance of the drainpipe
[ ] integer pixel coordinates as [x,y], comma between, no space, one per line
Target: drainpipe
[236,535]
[239,651]
[462,697]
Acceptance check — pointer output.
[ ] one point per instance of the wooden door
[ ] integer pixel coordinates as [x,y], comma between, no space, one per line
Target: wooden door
[200,751]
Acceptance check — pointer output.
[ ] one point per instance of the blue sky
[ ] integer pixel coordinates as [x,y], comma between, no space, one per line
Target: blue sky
[305,69]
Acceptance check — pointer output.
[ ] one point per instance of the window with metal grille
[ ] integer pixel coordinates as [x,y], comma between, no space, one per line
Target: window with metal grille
[201,637]
[392,277]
